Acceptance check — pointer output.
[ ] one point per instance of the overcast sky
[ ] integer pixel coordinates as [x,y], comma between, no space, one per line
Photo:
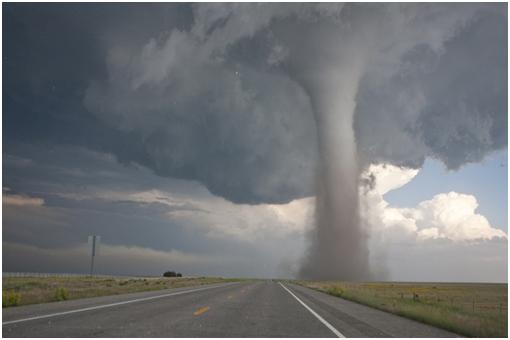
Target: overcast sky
[185,136]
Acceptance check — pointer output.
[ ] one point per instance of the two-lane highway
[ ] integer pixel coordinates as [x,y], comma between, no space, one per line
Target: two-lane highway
[247,309]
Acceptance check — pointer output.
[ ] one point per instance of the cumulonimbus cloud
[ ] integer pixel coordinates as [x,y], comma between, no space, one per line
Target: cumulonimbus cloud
[240,123]
[449,216]
[329,90]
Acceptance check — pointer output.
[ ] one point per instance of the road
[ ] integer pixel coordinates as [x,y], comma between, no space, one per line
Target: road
[246,309]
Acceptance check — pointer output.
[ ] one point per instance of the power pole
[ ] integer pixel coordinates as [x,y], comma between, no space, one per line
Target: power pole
[94,241]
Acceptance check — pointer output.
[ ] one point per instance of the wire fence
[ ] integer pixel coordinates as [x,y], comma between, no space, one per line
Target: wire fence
[29,274]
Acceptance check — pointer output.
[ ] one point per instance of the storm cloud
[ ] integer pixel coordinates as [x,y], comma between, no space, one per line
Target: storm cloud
[203,91]
[258,103]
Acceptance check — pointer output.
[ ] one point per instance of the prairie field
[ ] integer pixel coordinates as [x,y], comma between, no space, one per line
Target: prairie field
[19,291]
[469,309]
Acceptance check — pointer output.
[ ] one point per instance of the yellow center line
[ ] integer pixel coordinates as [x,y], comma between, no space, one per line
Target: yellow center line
[201,311]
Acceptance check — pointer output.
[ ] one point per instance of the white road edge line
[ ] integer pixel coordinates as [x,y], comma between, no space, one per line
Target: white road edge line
[327,324]
[113,304]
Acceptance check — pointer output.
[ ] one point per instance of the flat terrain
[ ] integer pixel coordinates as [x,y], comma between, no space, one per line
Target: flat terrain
[18,291]
[471,309]
[235,309]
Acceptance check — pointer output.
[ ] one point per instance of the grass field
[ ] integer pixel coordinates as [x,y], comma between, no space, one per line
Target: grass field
[19,291]
[470,309]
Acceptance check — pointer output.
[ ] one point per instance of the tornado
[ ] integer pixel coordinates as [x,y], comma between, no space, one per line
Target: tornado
[338,244]
[329,58]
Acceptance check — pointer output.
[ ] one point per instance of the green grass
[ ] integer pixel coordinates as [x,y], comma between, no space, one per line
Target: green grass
[470,309]
[10,299]
[61,293]
[19,291]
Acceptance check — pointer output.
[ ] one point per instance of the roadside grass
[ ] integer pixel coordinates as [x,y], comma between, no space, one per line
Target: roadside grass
[470,309]
[10,299]
[18,291]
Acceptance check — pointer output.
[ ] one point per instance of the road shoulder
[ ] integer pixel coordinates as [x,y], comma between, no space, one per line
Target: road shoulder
[352,318]
[28,311]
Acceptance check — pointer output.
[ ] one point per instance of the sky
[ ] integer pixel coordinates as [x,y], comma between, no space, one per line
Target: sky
[189,137]
[486,180]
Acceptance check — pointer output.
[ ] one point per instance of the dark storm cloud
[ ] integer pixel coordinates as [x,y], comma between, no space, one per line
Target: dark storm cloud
[52,51]
[233,154]
[450,105]
[251,100]
[70,180]
[66,193]
[229,115]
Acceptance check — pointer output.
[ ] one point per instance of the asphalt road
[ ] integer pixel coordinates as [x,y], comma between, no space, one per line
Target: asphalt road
[248,309]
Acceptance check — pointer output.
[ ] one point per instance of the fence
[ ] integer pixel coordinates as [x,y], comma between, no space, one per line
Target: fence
[28,274]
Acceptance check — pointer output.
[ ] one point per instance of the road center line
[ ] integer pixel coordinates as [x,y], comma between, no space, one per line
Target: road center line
[113,304]
[327,324]
[201,311]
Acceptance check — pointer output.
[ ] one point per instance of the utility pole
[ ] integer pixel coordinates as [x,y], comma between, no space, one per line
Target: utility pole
[94,241]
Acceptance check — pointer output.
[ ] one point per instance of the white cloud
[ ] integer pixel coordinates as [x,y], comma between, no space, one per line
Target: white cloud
[391,224]
[453,216]
[223,219]
[21,200]
[219,218]
[441,239]
[450,216]
[296,213]
[251,223]
[157,196]
[389,177]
